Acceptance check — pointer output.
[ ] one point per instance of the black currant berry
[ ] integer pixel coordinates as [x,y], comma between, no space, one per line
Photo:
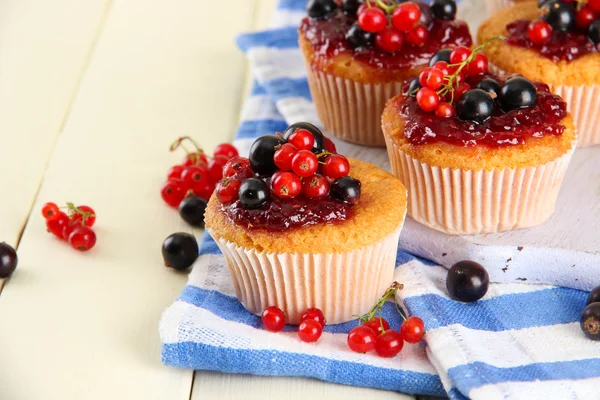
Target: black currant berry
[593,31]
[350,6]
[475,105]
[467,281]
[254,193]
[346,190]
[442,55]
[518,92]
[356,37]
[590,321]
[8,260]
[443,9]
[490,85]
[426,13]
[594,296]
[262,152]
[192,210]
[320,9]
[180,250]
[413,87]
[319,145]
[560,16]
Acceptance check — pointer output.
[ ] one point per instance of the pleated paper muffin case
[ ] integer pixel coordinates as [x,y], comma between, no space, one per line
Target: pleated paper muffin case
[583,103]
[465,202]
[343,285]
[351,110]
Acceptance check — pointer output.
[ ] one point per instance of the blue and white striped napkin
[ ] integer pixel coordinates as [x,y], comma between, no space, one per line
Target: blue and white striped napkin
[519,342]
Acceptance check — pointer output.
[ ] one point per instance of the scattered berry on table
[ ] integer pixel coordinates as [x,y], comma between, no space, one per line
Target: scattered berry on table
[315,314]
[467,281]
[389,344]
[175,172]
[310,330]
[273,319]
[173,191]
[180,250]
[82,238]
[191,210]
[82,215]
[8,260]
[590,321]
[196,158]
[56,224]
[226,151]
[362,339]
[594,296]
[50,210]
[215,167]
[412,330]
[73,226]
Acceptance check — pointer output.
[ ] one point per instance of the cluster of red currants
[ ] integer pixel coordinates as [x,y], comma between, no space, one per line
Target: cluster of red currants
[74,225]
[566,15]
[197,173]
[311,325]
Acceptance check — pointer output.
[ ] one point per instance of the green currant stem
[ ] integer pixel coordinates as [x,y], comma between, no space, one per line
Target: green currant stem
[391,291]
[179,143]
[76,210]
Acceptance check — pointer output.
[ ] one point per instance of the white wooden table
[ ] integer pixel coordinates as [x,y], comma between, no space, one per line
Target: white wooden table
[91,94]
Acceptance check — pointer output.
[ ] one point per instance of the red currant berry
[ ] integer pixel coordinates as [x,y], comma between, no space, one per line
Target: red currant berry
[226,150]
[67,229]
[434,78]
[56,224]
[215,168]
[50,210]
[283,156]
[389,40]
[478,66]
[314,314]
[304,163]
[594,5]
[330,146]
[82,238]
[423,76]
[444,110]
[227,190]
[412,330]
[418,35]
[459,54]
[194,174]
[203,189]
[175,172]
[302,139]
[389,344]
[539,32]
[197,158]
[238,167]
[310,330]
[583,18]
[286,185]
[442,66]
[172,192]
[461,89]
[372,20]
[362,339]
[406,16]
[273,319]
[378,325]
[315,187]
[336,166]
[90,216]
[427,99]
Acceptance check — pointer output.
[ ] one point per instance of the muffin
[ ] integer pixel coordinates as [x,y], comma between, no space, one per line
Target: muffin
[297,234]
[487,156]
[352,72]
[566,56]
[497,5]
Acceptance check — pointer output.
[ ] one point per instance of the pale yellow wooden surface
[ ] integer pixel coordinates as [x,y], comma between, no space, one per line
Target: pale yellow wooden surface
[93,92]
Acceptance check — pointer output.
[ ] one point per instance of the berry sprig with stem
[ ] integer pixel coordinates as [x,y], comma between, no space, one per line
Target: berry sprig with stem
[388,8]
[196,157]
[77,214]
[389,293]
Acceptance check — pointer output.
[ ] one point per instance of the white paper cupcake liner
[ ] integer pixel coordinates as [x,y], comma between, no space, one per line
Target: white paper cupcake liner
[351,110]
[583,103]
[343,285]
[493,6]
[468,202]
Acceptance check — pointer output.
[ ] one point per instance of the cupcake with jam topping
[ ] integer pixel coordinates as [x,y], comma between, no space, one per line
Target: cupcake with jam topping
[302,226]
[359,53]
[556,43]
[497,5]
[478,153]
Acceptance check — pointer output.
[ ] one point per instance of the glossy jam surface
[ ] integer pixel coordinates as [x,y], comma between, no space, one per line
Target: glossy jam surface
[562,46]
[328,39]
[502,129]
[282,214]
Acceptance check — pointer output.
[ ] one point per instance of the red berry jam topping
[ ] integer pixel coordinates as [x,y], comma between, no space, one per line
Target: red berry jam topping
[290,180]
[394,36]
[565,31]
[462,104]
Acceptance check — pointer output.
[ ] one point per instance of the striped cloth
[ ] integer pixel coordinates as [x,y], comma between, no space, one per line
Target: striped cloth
[519,342]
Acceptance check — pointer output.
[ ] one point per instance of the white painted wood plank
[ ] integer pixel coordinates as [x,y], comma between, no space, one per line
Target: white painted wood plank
[213,385]
[43,48]
[85,326]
